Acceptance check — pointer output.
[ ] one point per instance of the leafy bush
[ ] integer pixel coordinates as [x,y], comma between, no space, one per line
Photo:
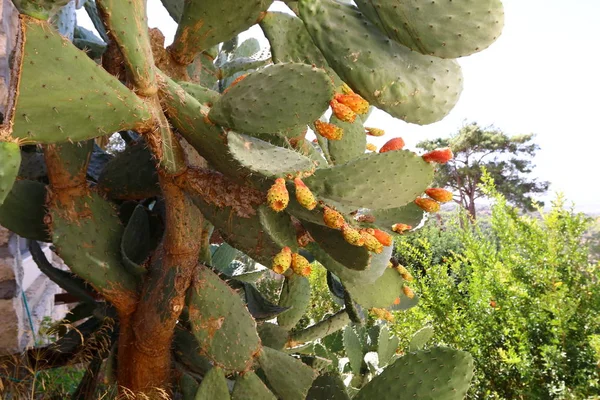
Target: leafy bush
[520,296]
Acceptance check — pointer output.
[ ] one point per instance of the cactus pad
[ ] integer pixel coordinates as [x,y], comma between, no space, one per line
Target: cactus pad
[275,98]
[295,294]
[249,386]
[328,386]
[440,373]
[289,377]
[213,386]
[24,209]
[387,344]
[10,154]
[446,29]
[352,144]
[50,106]
[221,323]
[407,85]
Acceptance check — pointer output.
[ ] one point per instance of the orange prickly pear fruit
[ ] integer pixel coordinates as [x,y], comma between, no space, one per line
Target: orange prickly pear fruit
[278,196]
[440,156]
[382,313]
[375,131]
[329,131]
[282,260]
[354,101]
[371,147]
[383,237]
[392,144]
[407,276]
[397,301]
[439,194]
[371,242]
[352,236]
[332,218]
[300,265]
[408,292]
[427,205]
[401,228]
[342,112]
[304,195]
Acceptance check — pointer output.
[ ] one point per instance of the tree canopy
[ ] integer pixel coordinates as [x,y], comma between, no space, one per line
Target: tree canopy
[508,160]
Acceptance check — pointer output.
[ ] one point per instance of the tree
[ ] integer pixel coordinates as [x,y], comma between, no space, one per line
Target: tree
[506,158]
[219,143]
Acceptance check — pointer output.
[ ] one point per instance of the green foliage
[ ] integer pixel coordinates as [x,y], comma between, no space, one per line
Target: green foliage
[518,294]
[506,158]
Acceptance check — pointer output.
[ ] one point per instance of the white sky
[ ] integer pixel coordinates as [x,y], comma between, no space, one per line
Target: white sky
[541,76]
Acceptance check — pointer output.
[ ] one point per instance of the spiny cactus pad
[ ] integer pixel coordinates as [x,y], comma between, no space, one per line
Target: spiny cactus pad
[295,294]
[289,377]
[387,344]
[382,293]
[440,373]
[271,99]
[407,85]
[352,144]
[328,386]
[446,29]
[396,176]
[213,386]
[204,24]
[410,214]
[79,100]
[40,9]
[249,386]
[10,154]
[221,323]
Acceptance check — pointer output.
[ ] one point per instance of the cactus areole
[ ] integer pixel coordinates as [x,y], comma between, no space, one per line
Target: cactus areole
[217,165]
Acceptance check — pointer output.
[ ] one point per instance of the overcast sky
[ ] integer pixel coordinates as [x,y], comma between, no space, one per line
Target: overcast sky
[541,76]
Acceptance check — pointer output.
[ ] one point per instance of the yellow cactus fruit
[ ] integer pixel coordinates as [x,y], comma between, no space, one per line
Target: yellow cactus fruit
[374,131]
[352,236]
[428,205]
[282,260]
[401,228]
[332,218]
[371,242]
[278,196]
[383,314]
[354,101]
[342,112]
[304,195]
[329,131]
[439,194]
[300,265]
[371,147]
[406,275]
[383,237]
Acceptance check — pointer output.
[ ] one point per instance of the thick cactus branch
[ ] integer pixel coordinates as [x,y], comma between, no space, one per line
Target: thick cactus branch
[319,330]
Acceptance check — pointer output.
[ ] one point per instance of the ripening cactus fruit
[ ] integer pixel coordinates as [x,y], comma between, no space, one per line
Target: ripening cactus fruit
[440,156]
[300,265]
[371,242]
[383,237]
[332,218]
[282,261]
[329,131]
[408,292]
[401,228]
[354,101]
[439,194]
[304,196]
[342,112]
[278,196]
[371,147]
[374,131]
[352,235]
[428,205]
[392,144]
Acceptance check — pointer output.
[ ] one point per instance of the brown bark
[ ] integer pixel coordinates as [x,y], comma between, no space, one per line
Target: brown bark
[145,341]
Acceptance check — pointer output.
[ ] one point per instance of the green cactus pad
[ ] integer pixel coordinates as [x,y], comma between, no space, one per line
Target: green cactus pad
[198,31]
[447,29]
[410,214]
[295,294]
[275,98]
[136,241]
[221,323]
[290,378]
[223,257]
[188,353]
[354,350]
[381,293]
[65,20]
[328,386]
[49,107]
[397,177]
[74,157]
[266,159]
[279,227]
[420,338]
[174,8]
[188,386]
[24,209]
[203,71]
[242,64]
[353,279]
[353,143]
[407,85]
[131,175]
[10,154]
[213,386]
[87,234]
[202,94]
[40,9]
[33,166]
[249,386]
[127,23]
[332,241]
[440,373]
[273,336]
[387,344]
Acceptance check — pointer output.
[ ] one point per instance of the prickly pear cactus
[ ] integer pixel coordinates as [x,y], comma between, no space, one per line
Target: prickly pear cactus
[221,183]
